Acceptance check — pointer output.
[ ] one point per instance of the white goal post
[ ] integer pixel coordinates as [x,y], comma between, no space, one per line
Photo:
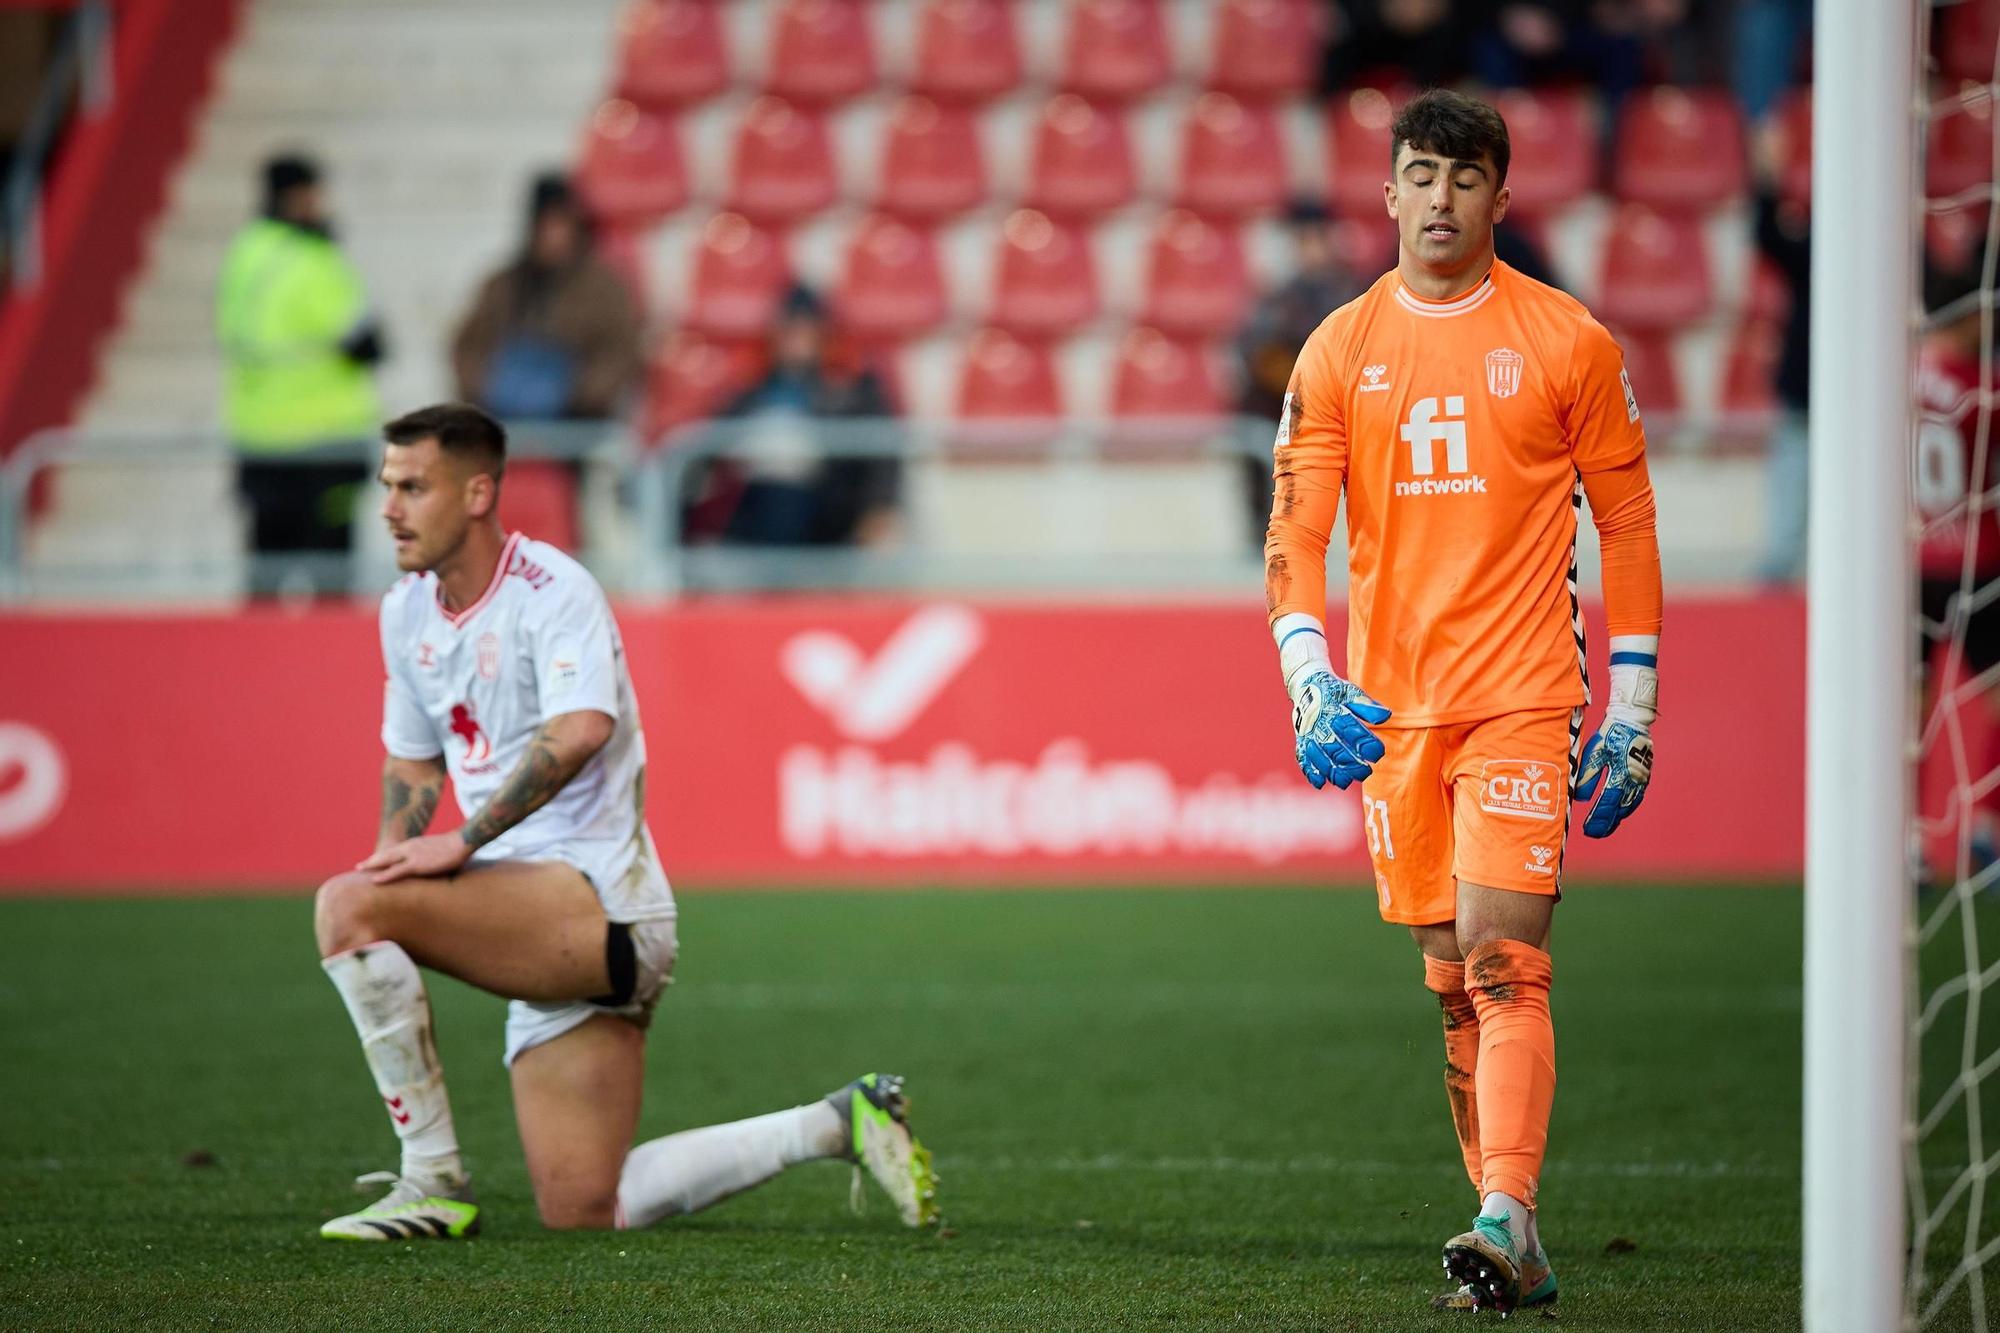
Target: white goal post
[1861,576]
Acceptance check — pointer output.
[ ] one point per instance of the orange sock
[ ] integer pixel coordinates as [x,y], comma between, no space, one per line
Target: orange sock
[1516,1079]
[1446,980]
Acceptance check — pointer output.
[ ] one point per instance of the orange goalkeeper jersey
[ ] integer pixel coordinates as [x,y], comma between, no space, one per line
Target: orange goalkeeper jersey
[1459,430]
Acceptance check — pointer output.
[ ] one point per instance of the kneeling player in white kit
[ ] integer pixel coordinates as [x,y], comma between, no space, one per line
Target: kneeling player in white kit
[506,670]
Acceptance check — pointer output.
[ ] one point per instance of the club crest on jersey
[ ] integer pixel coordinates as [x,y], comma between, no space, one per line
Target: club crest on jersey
[427,657]
[1373,375]
[1503,372]
[1520,788]
[489,656]
[478,749]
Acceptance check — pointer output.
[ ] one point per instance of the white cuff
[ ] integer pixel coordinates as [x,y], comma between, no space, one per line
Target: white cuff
[1301,641]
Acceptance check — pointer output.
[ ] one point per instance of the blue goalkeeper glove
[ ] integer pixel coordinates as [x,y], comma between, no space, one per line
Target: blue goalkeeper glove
[1330,716]
[1620,752]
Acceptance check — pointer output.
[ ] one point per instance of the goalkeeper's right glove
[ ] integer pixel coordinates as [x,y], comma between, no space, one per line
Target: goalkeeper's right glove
[1330,716]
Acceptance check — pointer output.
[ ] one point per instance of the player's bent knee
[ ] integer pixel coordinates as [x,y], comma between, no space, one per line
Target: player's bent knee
[569,1210]
[345,913]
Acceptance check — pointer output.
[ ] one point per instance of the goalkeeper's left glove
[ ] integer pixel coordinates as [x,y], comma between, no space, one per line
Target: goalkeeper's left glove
[1620,752]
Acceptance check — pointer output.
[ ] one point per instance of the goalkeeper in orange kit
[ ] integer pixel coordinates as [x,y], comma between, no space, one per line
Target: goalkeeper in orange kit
[1467,411]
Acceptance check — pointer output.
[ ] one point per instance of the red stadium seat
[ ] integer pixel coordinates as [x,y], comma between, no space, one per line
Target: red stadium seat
[1554,138]
[1005,378]
[1263,48]
[1082,163]
[932,167]
[671,52]
[1044,279]
[1649,363]
[821,52]
[1232,158]
[1115,50]
[782,168]
[1770,296]
[1968,35]
[1680,149]
[692,378]
[1655,271]
[1159,376]
[631,168]
[1196,280]
[1749,377]
[539,499]
[967,50]
[1357,137]
[740,271]
[1959,157]
[1955,238]
[893,286]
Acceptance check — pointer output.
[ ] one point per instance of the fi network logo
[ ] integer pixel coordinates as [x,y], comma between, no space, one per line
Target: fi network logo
[1423,432]
[873,699]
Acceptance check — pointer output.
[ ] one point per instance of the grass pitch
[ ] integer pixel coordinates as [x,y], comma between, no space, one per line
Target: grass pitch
[1177,1109]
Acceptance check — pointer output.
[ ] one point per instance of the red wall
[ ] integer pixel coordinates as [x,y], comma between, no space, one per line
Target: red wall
[833,741]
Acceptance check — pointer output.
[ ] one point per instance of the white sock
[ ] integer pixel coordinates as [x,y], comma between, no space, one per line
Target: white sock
[1517,1214]
[386,999]
[1534,1232]
[688,1171]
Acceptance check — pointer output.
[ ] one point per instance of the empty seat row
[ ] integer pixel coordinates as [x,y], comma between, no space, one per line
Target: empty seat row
[1145,372]
[997,377]
[1677,150]
[820,52]
[1039,276]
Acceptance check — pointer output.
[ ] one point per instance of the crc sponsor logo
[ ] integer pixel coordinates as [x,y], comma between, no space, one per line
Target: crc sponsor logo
[33,779]
[1425,430]
[1503,372]
[852,799]
[1374,383]
[1522,788]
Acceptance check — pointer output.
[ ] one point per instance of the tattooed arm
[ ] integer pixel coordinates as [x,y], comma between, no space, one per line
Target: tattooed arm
[558,752]
[410,792]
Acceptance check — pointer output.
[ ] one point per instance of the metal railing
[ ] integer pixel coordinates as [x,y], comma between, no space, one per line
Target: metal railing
[79,71]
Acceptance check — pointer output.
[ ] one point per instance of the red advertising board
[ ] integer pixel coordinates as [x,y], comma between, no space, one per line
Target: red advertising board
[796,742]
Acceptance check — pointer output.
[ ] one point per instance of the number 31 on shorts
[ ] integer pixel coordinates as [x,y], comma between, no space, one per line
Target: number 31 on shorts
[1375,817]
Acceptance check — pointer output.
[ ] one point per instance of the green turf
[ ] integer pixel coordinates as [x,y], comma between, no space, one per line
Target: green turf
[1175,1109]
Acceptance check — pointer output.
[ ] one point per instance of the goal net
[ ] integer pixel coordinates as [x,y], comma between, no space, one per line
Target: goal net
[1951,1140]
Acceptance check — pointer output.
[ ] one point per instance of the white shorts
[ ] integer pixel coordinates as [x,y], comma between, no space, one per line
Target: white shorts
[655,944]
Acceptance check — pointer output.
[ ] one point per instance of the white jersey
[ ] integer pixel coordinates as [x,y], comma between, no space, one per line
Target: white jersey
[477,686]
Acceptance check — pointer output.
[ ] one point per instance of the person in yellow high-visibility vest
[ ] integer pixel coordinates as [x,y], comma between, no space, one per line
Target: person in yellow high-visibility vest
[299,345]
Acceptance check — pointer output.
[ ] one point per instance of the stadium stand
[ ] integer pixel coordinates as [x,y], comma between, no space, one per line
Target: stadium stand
[1065,170]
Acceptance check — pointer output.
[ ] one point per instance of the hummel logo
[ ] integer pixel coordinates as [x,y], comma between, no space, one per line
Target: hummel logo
[396,1110]
[874,700]
[1542,854]
[1374,374]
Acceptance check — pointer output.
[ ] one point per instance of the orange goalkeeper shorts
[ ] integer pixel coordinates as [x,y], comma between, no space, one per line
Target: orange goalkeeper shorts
[1486,802]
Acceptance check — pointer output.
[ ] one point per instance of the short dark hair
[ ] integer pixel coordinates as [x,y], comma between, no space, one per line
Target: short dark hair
[1453,125]
[460,429]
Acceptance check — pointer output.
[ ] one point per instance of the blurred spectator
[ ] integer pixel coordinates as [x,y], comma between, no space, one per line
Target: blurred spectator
[1413,41]
[1784,238]
[1516,247]
[1768,39]
[555,333]
[1285,316]
[298,342]
[777,488]
[1279,325]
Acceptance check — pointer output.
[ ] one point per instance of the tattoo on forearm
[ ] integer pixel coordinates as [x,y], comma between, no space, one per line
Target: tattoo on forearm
[407,807]
[540,775]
